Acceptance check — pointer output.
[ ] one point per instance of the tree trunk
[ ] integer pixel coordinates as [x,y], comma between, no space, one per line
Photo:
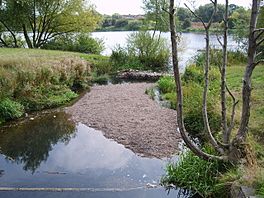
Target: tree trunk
[237,149]
[225,131]
[28,41]
[177,78]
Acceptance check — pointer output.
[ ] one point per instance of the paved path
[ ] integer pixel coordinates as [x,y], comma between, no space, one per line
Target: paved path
[124,112]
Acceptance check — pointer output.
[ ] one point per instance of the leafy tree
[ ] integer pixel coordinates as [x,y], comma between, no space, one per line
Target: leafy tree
[46,19]
[154,10]
[232,150]
[206,11]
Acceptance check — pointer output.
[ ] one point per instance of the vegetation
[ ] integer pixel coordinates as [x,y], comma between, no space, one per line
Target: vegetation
[229,146]
[44,20]
[32,80]
[78,42]
[118,22]
[142,52]
[206,183]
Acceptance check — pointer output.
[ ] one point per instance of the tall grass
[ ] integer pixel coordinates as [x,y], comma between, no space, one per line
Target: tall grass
[38,79]
[197,175]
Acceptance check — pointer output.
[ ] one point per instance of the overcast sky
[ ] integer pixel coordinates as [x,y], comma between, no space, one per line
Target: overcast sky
[135,6]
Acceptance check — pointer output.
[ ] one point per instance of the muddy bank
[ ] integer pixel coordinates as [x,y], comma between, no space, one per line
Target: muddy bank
[124,112]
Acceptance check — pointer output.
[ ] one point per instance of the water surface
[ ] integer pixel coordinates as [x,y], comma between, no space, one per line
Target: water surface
[53,152]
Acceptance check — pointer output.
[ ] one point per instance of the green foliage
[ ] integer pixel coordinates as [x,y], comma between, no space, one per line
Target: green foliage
[39,79]
[206,11]
[233,57]
[53,18]
[81,42]
[155,16]
[260,190]
[166,84]
[142,52]
[196,174]
[46,97]
[118,22]
[192,99]
[193,74]
[10,109]
[239,22]
[120,59]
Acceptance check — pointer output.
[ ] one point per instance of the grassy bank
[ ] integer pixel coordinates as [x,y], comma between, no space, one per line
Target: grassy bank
[213,181]
[32,80]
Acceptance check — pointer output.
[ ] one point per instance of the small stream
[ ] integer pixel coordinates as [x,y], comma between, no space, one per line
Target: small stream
[48,154]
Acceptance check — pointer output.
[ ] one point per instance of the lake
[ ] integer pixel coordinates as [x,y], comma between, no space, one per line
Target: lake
[51,156]
[190,43]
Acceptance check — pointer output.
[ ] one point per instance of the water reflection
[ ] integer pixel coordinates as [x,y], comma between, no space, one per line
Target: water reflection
[91,151]
[53,152]
[29,144]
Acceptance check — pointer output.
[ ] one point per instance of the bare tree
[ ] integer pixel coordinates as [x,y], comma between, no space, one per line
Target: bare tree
[227,151]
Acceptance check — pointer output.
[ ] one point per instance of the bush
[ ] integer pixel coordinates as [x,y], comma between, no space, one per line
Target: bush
[216,56]
[43,97]
[193,74]
[121,59]
[39,79]
[81,42]
[195,174]
[142,52]
[10,109]
[192,101]
[166,84]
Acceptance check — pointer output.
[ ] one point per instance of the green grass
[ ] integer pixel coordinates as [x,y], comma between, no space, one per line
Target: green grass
[35,79]
[234,80]
[194,173]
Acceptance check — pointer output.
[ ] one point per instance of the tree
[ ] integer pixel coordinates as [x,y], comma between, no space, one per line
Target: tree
[206,11]
[230,150]
[155,12]
[46,19]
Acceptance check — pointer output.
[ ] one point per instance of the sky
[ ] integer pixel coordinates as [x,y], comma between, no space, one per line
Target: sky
[135,6]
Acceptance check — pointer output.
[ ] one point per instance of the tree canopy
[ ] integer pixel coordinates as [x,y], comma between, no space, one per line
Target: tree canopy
[41,20]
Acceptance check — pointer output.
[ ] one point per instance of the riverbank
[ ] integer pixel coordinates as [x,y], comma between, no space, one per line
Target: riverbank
[33,79]
[126,114]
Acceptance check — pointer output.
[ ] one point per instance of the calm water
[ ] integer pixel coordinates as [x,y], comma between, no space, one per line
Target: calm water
[189,45]
[53,152]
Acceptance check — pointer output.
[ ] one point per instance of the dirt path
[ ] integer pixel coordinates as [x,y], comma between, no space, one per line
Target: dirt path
[126,114]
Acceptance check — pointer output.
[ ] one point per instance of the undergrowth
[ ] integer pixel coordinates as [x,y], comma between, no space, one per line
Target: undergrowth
[32,80]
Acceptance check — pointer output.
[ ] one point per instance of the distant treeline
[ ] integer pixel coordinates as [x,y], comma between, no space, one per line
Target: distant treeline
[186,21]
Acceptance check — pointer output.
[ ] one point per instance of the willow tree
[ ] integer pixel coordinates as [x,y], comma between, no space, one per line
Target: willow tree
[41,20]
[228,149]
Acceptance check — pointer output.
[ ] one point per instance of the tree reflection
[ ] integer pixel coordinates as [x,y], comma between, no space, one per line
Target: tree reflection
[31,142]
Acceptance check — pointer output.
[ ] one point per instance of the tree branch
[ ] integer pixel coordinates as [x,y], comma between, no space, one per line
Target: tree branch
[177,78]
[219,41]
[261,32]
[259,42]
[232,123]
[200,18]
[258,62]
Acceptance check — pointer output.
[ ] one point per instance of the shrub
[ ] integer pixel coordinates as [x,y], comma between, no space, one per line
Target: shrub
[192,100]
[81,42]
[10,109]
[195,174]
[193,74]
[142,52]
[233,58]
[43,97]
[166,84]
[121,59]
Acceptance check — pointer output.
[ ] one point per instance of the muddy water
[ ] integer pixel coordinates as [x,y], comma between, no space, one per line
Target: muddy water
[51,153]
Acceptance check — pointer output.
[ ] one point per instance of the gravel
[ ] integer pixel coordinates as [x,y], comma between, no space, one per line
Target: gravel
[124,113]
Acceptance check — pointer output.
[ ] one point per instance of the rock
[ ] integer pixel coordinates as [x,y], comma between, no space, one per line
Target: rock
[140,75]
[149,185]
